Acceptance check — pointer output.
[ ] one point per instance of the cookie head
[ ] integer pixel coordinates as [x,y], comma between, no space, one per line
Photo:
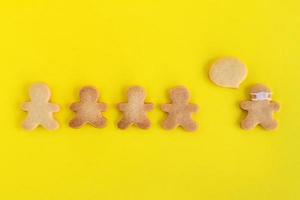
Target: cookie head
[40,92]
[260,92]
[179,95]
[89,94]
[136,94]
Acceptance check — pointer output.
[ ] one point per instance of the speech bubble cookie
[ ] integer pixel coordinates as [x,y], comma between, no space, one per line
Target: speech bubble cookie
[228,72]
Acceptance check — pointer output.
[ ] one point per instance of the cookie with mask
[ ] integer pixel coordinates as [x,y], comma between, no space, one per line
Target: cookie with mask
[260,109]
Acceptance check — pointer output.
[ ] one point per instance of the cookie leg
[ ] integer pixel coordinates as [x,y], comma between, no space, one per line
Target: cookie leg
[189,125]
[100,122]
[29,124]
[144,124]
[269,125]
[249,123]
[51,124]
[169,123]
[124,123]
[76,123]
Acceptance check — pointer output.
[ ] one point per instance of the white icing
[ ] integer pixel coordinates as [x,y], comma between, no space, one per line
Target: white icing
[261,96]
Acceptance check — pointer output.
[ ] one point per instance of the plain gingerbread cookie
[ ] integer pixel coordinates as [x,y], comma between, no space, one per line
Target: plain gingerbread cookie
[135,110]
[260,109]
[180,110]
[40,111]
[88,110]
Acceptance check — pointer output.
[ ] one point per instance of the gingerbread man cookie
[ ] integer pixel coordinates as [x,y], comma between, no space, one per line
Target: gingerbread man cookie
[88,110]
[40,111]
[260,109]
[134,112]
[180,110]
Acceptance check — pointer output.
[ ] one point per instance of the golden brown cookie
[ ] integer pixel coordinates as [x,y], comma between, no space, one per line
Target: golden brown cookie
[88,110]
[135,110]
[180,110]
[228,72]
[260,109]
[40,111]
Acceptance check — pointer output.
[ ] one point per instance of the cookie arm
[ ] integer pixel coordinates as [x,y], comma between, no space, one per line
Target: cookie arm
[192,107]
[275,106]
[148,106]
[75,107]
[102,106]
[53,107]
[26,106]
[166,107]
[122,106]
[245,105]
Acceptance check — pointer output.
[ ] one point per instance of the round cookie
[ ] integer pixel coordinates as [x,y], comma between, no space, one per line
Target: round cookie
[228,72]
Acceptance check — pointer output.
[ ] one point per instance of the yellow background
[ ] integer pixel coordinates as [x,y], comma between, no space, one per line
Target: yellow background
[156,44]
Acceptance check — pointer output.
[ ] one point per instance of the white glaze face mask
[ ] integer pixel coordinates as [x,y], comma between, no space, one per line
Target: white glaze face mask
[261,96]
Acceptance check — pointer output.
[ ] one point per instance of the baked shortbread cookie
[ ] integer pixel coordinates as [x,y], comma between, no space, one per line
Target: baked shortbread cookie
[135,110]
[228,72]
[88,110]
[180,110]
[260,109]
[40,111]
